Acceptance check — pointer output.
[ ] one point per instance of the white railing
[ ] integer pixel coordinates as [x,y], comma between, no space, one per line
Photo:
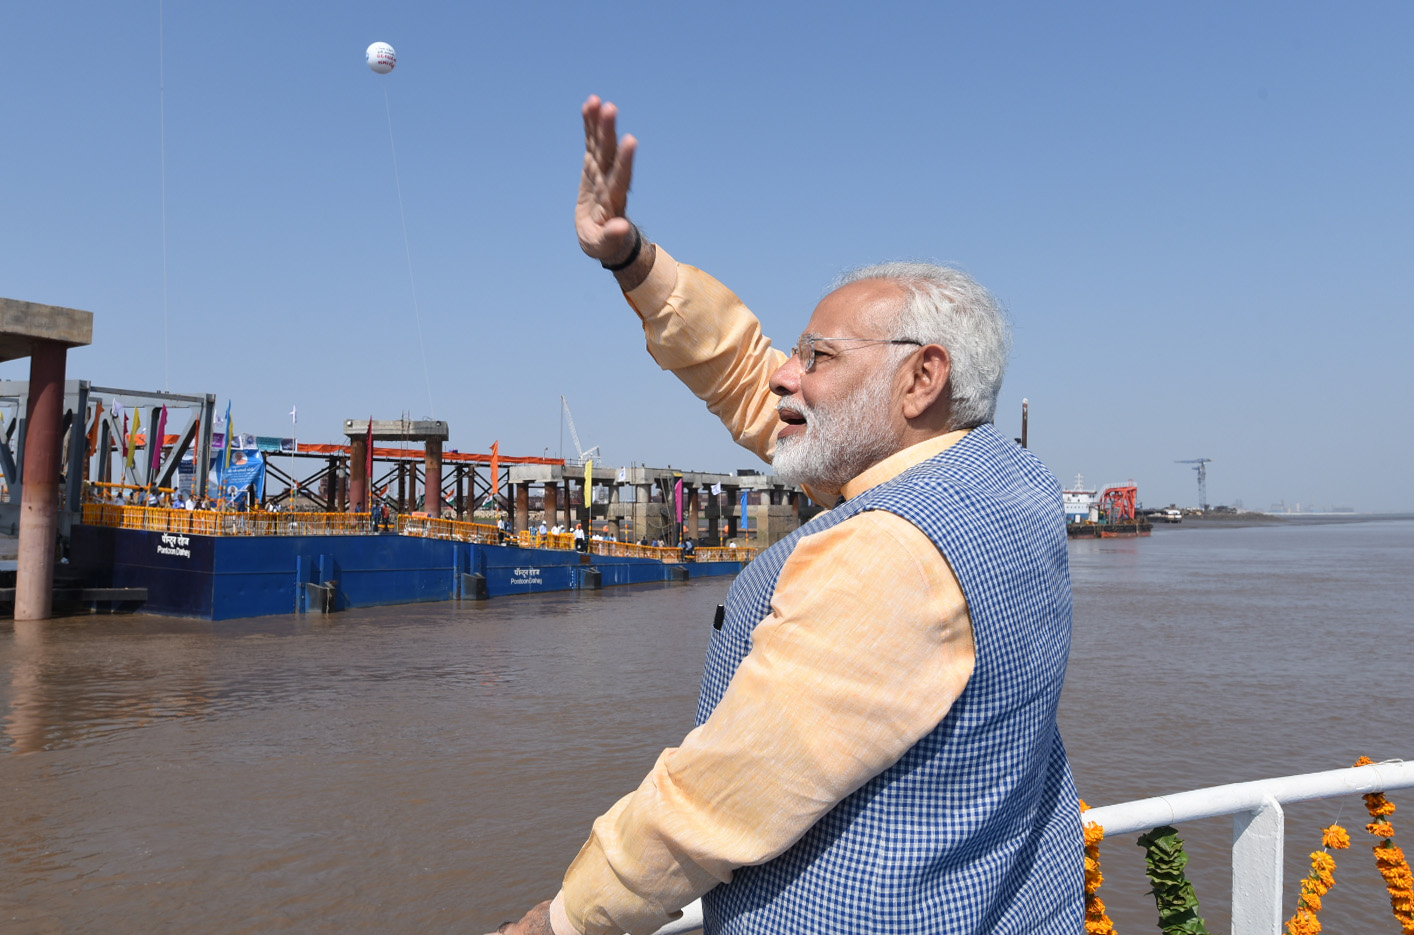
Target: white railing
[1258,832]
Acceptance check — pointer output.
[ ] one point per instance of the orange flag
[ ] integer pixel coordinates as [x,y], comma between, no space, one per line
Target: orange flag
[93,432]
[496,471]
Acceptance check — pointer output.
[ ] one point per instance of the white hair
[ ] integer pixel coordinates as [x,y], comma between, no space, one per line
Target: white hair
[948,307]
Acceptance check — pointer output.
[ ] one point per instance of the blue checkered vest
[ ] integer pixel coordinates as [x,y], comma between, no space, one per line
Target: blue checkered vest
[977,827]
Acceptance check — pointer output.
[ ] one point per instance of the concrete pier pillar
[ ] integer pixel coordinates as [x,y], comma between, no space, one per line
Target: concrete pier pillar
[39,501]
[432,474]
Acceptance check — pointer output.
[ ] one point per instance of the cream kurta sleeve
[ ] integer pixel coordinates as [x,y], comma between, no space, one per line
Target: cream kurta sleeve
[697,328]
[816,709]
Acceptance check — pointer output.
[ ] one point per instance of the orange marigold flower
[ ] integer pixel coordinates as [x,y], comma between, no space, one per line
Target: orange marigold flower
[1303,923]
[1392,854]
[1380,829]
[1364,761]
[1335,837]
[1378,806]
[1094,834]
[1311,901]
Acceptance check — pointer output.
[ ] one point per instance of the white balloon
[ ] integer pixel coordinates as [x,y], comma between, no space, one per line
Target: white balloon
[381,57]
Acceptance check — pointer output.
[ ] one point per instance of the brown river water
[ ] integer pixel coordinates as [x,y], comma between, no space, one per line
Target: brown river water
[433,768]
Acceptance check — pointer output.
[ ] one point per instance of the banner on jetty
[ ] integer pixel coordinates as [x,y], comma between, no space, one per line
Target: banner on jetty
[247,467]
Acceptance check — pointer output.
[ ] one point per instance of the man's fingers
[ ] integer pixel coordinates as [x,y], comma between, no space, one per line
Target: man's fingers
[622,176]
[608,141]
[591,121]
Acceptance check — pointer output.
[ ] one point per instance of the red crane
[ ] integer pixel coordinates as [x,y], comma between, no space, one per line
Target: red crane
[1118,503]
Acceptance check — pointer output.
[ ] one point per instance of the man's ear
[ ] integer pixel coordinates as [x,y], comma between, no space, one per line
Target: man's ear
[927,380]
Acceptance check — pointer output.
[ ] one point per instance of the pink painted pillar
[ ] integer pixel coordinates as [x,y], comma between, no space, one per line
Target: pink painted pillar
[39,502]
[432,478]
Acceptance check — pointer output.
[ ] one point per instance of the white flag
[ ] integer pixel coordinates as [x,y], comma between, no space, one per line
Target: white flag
[716,490]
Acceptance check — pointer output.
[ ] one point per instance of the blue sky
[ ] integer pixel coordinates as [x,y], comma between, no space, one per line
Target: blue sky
[1198,215]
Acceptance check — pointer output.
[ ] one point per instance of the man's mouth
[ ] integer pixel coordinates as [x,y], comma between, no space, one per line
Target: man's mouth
[790,414]
[793,418]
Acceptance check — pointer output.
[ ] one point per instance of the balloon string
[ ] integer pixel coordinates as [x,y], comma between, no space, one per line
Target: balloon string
[417,314]
[162,107]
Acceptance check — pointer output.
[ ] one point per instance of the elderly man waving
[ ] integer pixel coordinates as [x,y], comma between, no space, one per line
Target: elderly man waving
[876,748]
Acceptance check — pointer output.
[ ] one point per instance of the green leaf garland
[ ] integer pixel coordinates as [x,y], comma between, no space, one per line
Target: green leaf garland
[1173,894]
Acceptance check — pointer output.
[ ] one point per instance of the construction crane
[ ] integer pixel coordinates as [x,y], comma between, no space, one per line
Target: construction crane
[1201,466]
[584,453]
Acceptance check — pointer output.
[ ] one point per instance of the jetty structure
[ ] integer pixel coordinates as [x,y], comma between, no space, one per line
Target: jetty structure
[390,516]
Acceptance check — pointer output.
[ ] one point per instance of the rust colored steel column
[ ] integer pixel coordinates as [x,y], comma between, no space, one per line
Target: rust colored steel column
[522,507]
[432,474]
[358,475]
[552,504]
[39,502]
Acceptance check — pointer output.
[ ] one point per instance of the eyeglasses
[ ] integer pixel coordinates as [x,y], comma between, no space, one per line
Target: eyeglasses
[805,350]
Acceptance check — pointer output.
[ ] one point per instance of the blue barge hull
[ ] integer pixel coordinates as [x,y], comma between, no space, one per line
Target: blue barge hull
[221,578]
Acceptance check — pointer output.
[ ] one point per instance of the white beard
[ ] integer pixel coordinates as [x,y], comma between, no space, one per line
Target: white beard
[839,442]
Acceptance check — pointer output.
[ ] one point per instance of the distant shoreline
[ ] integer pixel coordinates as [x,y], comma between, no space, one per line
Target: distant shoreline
[1235,520]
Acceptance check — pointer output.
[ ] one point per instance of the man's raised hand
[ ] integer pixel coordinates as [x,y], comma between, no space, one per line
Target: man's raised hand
[605,233]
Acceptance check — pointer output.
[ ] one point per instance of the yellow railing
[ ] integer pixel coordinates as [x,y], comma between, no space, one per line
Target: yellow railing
[662,553]
[224,523]
[229,523]
[725,553]
[457,530]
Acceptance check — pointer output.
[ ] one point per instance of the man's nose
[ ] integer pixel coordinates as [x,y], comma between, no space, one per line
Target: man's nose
[786,380]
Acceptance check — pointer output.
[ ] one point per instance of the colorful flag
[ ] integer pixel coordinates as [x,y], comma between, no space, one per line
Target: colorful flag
[496,472]
[368,462]
[93,432]
[161,435]
[589,485]
[745,514]
[677,497]
[230,438]
[132,440]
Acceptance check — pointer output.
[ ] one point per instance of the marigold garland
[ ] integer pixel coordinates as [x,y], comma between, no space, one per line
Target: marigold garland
[1318,883]
[1097,922]
[1389,858]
